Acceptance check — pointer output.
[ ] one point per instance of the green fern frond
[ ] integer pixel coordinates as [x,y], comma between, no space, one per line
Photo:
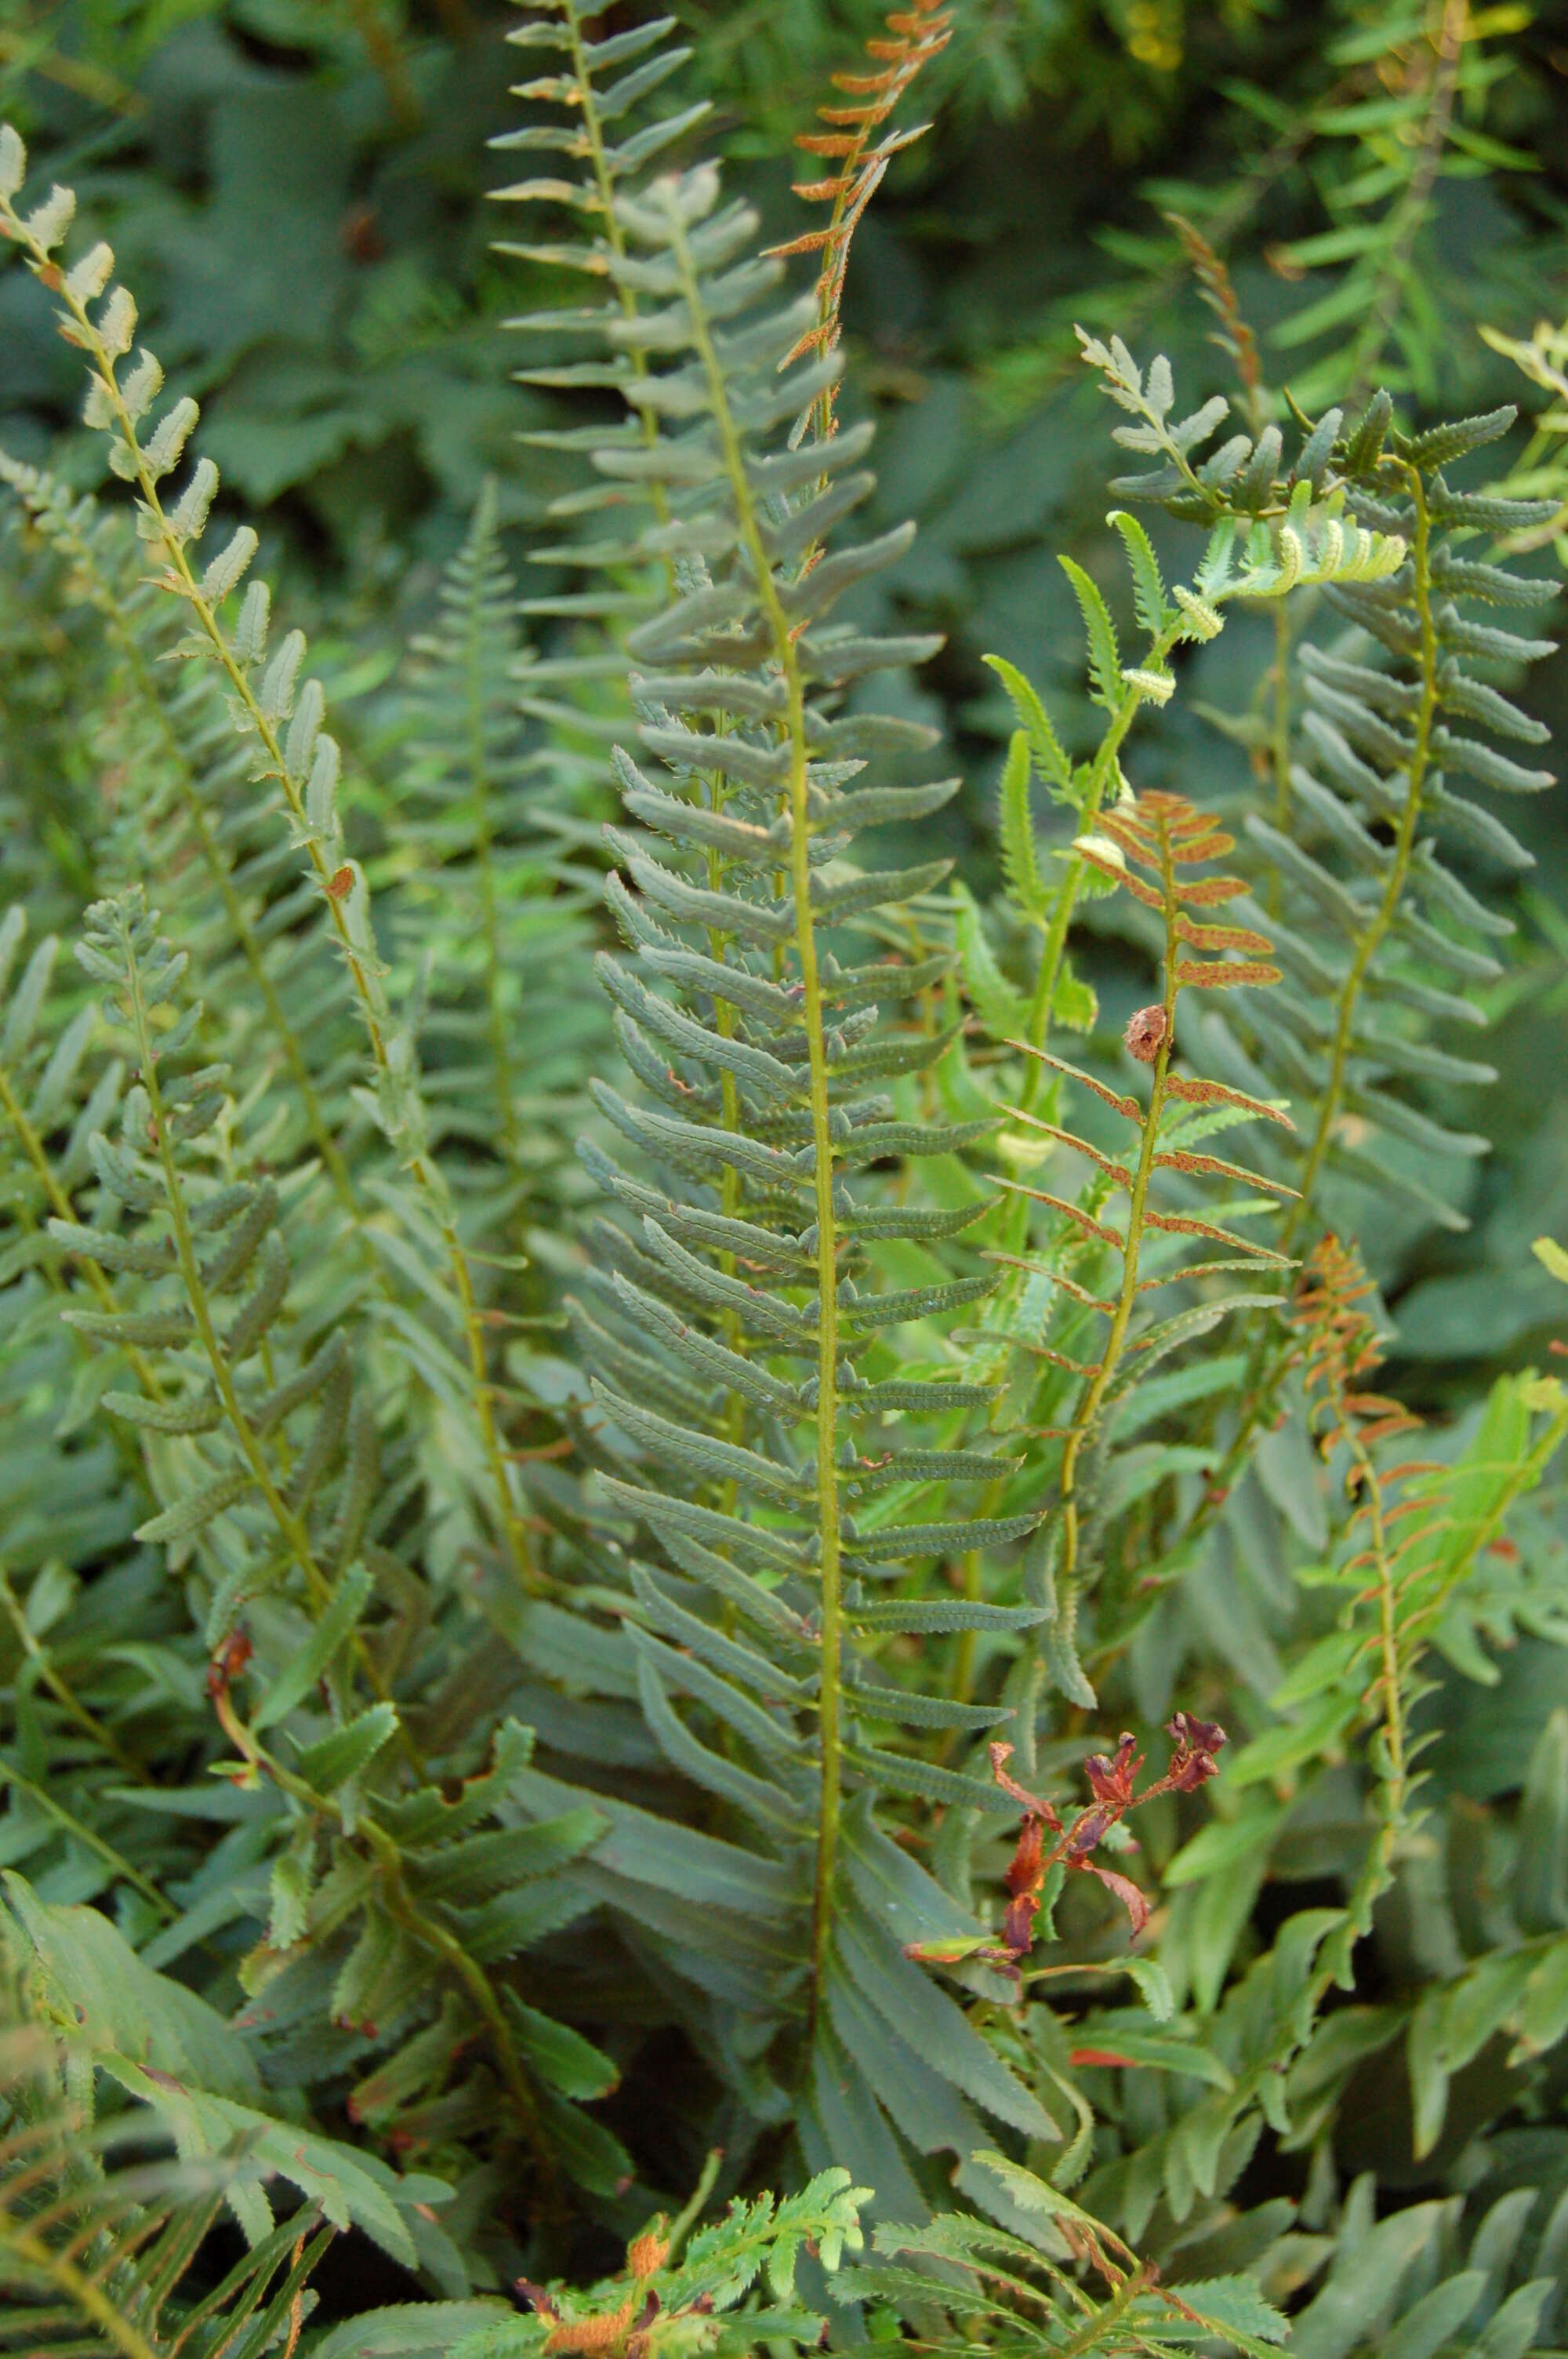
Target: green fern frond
[282,717]
[1380,746]
[493,908]
[746,1293]
[98,2243]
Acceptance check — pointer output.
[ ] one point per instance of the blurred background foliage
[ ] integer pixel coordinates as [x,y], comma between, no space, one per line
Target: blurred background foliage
[296,188]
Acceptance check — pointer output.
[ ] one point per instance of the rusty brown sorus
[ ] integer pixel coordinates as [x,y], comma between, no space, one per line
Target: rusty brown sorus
[1145,1032]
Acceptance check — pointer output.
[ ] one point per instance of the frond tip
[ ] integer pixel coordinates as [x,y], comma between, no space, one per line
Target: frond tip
[915,34]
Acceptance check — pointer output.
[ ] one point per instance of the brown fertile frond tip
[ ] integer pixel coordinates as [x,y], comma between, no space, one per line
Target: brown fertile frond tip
[914,35]
[1233,335]
[1340,1351]
[1169,834]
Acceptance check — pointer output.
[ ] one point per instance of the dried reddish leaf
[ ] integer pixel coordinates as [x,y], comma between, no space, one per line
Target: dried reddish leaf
[1074,1212]
[1128,1107]
[1123,1889]
[1214,1167]
[1208,892]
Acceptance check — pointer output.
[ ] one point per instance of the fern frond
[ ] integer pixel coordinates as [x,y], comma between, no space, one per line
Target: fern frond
[186,784]
[1381,743]
[492,908]
[1165,835]
[856,167]
[745,1285]
[283,719]
[1030,2291]
[98,2243]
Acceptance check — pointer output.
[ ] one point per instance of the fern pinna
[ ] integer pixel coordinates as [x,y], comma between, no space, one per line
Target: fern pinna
[742,1353]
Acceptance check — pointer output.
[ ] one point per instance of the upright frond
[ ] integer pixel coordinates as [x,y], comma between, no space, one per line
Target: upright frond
[859,150]
[745,1358]
[1150,848]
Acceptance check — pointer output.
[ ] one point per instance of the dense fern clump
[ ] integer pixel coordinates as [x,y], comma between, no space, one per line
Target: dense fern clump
[721,1625]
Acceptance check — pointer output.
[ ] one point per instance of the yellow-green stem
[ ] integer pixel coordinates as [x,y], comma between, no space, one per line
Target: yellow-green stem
[233,908]
[62,1208]
[1348,997]
[1015,1217]
[425,1930]
[82,2288]
[1094,1392]
[60,1688]
[1101,775]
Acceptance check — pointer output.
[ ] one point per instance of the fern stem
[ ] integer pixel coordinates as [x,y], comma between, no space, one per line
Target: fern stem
[1094,2330]
[290,1526]
[1016,1217]
[1371,941]
[63,1208]
[1376,1869]
[1093,1399]
[41,1798]
[1279,729]
[425,1930]
[421,1169]
[724,1019]
[1447,41]
[217,869]
[60,1203]
[78,547]
[1396,1784]
[604,182]
[830,1700]
[1055,944]
[61,1689]
[244,932]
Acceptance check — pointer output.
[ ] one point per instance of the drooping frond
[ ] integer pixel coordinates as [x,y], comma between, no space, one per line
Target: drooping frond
[184,786]
[280,715]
